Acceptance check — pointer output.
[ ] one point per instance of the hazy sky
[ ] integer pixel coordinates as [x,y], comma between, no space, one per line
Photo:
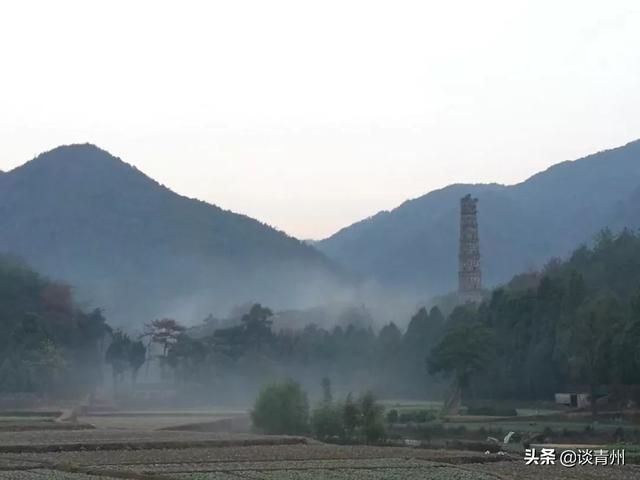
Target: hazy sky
[312,115]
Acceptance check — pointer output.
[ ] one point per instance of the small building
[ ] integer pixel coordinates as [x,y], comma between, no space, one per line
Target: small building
[574,400]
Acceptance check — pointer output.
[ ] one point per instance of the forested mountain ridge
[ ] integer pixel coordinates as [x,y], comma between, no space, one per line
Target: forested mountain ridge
[521,226]
[140,250]
[575,323]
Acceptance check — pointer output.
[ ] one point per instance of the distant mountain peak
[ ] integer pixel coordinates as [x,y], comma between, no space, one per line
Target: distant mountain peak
[81,153]
[80,168]
[142,251]
[87,146]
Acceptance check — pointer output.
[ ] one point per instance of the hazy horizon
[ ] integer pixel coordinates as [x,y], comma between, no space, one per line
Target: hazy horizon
[312,118]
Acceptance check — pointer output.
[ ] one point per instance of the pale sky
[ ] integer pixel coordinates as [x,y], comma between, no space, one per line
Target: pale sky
[312,115]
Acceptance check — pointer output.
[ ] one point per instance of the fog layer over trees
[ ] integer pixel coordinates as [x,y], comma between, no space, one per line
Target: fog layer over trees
[576,323]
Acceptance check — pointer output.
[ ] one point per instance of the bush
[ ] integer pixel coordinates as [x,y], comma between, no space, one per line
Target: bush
[349,421]
[327,422]
[493,411]
[392,416]
[431,431]
[282,408]
[416,416]
[351,416]
[460,430]
[372,419]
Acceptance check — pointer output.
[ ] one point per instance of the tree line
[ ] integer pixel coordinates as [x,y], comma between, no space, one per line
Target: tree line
[574,325]
[354,357]
[48,343]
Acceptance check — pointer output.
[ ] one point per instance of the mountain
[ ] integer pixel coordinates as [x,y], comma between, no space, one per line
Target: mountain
[141,251]
[414,247]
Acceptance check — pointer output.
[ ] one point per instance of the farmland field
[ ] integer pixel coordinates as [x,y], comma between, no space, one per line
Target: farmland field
[141,451]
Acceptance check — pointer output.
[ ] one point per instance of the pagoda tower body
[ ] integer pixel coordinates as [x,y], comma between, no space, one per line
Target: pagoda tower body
[469,272]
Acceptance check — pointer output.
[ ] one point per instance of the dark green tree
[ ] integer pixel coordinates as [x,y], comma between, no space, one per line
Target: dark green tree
[351,415]
[327,395]
[591,343]
[372,418]
[463,352]
[282,408]
[136,357]
[257,326]
[117,355]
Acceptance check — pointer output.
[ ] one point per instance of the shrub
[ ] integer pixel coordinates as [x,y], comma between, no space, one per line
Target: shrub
[349,421]
[351,416]
[282,408]
[459,430]
[492,411]
[416,416]
[327,422]
[392,416]
[432,431]
[372,419]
